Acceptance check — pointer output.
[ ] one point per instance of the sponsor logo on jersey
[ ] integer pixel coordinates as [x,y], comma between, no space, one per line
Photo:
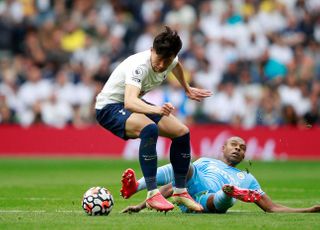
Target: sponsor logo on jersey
[136,79]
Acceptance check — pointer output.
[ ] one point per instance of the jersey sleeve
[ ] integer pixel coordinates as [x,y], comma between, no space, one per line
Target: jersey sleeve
[135,76]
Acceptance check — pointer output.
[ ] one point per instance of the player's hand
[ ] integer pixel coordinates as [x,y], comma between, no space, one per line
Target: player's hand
[315,208]
[166,109]
[131,209]
[198,94]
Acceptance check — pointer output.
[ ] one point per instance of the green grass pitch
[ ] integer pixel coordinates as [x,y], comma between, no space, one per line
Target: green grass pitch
[46,194]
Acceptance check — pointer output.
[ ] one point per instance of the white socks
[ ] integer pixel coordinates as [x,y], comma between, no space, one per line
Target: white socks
[175,190]
[152,193]
[179,190]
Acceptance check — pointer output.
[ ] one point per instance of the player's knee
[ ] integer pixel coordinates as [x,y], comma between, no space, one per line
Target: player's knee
[150,130]
[183,130]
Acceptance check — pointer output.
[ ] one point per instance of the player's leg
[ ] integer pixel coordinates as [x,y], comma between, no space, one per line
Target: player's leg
[170,126]
[130,185]
[125,124]
[245,195]
[164,176]
[180,157]
[217,202]
[225,198]
[139,125]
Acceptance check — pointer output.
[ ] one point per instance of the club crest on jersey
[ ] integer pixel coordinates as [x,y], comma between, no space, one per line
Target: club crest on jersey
[240,175]
[137,74]
[122,112]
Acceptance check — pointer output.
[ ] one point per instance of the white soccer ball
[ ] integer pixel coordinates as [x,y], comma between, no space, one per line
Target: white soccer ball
[97,201]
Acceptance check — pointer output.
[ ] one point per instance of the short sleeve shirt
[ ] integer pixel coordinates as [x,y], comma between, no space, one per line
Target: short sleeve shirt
[135,70]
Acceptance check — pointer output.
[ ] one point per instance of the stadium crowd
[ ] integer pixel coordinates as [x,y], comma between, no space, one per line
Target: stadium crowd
[260,58]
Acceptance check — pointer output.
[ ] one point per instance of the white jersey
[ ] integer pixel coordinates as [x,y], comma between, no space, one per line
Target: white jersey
[135,70]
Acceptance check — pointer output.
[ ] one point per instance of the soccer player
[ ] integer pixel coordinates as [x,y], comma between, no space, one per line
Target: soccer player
[120,109]
[215,184]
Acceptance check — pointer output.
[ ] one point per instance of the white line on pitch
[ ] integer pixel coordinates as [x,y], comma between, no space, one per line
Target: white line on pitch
[22,211]
[30,198]
[38,211]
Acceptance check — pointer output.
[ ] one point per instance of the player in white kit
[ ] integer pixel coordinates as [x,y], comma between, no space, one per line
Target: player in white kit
[215,184]
[120,109]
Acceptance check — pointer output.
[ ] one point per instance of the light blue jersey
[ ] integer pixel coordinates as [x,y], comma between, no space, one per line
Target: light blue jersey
[211,174]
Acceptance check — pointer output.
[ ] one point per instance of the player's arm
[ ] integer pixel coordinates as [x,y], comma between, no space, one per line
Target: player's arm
[166,192]
[267,205]
[133,103]
[193,93]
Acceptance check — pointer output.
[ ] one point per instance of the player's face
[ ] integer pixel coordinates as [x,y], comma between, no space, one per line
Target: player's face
[158,63]
[234,150]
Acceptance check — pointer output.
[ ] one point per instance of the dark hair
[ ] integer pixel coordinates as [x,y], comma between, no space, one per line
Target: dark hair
[167,43]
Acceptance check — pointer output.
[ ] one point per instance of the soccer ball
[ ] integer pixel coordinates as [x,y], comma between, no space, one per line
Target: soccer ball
[97,201]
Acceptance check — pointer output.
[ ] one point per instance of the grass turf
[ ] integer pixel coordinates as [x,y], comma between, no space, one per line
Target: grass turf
[46,194]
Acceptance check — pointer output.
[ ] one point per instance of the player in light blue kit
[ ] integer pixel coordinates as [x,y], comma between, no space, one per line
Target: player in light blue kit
[215,184]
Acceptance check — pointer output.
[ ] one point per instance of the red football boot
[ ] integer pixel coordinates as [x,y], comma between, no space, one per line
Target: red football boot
[245,195]
[129,184]
[159,203]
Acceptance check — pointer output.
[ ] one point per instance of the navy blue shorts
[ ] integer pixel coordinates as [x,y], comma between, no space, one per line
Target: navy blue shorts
[113,117]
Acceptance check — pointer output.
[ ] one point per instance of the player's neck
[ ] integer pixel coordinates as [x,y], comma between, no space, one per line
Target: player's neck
[231,164]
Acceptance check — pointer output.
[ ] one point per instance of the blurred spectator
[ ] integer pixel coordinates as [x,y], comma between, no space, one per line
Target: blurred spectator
[302,65]
[8,91]
[181,15]
[31,94]
[292,35]
[289,116]
[226,106]
[84,93]
[260,58]
[55,112]
[280,55]
[268,112]
[6,115]
[63,87]
[145,40]
[73,37]
[205,78]
[33,48]
[151,11]
[291,94]
[231,74]
[88,56]
[312,117]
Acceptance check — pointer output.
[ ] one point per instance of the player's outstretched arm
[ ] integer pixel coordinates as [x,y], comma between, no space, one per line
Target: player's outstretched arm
[198,94]
[134,208]
[267,205]
[165,190]
[192,93]
[133,103]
